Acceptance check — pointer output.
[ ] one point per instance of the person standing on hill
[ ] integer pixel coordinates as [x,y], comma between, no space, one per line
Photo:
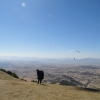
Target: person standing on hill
[40,76]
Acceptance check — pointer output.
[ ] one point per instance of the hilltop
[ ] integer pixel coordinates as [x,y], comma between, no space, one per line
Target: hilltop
[15,89]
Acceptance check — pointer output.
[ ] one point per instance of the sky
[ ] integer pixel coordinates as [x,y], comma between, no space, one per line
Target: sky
[50,28]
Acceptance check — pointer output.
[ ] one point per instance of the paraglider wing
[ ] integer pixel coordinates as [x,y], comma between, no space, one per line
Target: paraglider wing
[75,50]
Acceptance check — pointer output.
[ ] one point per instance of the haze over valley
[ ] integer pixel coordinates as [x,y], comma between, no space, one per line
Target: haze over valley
[78,72]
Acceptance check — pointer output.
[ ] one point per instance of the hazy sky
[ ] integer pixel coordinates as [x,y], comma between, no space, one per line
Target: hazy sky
[50,28]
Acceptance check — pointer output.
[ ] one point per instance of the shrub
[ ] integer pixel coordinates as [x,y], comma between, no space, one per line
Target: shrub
[33,81]
[14,75]
[23,80]
[3,70]
[10,73]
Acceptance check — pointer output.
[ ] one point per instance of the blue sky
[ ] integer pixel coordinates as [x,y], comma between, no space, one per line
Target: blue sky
[50,28]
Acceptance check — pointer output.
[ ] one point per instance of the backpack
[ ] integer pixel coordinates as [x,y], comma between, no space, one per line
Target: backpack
[42,74]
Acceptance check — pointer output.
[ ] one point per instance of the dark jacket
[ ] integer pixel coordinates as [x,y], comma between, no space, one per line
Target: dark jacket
[40,74]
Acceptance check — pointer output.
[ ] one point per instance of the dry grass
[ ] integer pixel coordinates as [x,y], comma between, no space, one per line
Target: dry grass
[14,89]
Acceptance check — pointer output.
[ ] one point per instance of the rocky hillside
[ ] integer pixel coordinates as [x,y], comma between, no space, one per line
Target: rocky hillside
[15,89]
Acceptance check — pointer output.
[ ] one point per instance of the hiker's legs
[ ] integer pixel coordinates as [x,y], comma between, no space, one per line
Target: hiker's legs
[40,81]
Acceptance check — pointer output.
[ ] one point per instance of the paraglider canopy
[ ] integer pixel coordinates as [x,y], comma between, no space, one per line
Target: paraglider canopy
[75,51]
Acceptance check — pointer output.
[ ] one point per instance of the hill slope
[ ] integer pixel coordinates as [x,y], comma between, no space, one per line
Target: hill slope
[15,89]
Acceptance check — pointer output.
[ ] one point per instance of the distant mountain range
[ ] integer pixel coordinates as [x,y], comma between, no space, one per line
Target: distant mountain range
[52,60]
